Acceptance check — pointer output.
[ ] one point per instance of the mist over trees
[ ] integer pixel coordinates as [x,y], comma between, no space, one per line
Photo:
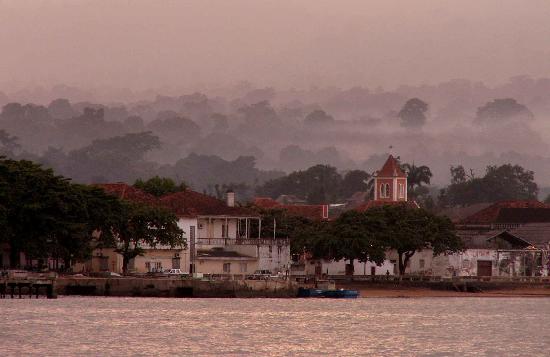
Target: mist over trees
[246,137]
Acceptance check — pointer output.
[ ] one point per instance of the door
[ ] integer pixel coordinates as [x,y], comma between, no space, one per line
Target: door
[176,263]
[372,270]
[103,263]
[484,268]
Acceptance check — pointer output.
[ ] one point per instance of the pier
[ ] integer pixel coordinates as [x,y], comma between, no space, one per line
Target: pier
[22,284]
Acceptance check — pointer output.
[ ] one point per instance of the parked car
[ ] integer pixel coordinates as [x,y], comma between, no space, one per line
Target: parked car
[174,272]
[260,275]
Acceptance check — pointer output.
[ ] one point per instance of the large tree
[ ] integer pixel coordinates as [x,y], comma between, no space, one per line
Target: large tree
[408,230]
[502,110]
[505,182]
[413,113]
[318,117]
[318,184]
[45,215]
[354,181]
[159,186]
[140,225]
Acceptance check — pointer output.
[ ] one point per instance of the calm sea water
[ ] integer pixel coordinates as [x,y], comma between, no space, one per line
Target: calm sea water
[71,326]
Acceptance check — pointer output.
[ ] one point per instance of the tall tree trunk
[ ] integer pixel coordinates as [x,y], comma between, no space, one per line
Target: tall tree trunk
[402,266]
[125,256]
[125,261]
[351,268]
[404,258]
[14,257]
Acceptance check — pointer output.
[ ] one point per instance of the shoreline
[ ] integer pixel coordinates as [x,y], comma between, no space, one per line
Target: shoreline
[418,292]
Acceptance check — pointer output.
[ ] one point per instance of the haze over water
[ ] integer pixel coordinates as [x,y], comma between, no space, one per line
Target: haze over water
[72,326]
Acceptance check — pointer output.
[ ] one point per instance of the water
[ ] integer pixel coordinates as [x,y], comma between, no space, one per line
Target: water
[71,326]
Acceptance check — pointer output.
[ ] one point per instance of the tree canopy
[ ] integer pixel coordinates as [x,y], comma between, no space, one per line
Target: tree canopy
[139,225]
[318,117]
[505,182]
[318,184]
[408,230]
[413,113]
[502,110]
[368,236]
[159,186]
[44,215]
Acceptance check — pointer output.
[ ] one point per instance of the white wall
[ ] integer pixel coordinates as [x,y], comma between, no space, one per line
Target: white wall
[339,267]
[275,258]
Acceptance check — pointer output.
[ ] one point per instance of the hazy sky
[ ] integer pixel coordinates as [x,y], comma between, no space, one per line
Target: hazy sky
[140,44]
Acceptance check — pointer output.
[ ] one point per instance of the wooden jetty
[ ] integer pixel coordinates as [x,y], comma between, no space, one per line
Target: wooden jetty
[17,283]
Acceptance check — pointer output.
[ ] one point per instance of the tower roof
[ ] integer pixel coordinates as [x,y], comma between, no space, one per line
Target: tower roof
[391,169]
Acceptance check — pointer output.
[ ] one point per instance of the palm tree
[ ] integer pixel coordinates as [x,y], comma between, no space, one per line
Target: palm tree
[417,175]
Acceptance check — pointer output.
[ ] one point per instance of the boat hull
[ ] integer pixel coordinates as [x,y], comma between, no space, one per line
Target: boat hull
[332,294]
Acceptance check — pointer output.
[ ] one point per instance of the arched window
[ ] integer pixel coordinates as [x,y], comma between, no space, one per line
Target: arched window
[382,189]
[387,190]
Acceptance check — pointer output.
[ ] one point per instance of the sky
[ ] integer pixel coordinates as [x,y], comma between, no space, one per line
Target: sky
[187,44]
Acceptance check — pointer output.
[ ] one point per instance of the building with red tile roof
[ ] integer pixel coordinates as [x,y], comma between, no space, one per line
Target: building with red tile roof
[513,211]
[221,238]
[189,203]
[312,212]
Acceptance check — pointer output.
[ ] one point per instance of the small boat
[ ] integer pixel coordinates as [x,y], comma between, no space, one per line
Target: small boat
[325,293]
[305,293]
[341,294]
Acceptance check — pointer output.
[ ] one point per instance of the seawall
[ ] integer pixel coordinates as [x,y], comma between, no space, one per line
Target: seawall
[174,287]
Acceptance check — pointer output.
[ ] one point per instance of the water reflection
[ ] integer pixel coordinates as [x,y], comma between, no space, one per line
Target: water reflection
[275,327]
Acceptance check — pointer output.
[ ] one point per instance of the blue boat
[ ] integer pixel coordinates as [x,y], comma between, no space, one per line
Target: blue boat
[306,293]
[324,293]
[341,294]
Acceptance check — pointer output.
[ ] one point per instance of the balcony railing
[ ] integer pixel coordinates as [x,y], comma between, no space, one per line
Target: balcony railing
[242,241]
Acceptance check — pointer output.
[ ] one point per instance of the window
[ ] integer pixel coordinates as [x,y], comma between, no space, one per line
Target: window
[385,190]
[401,190]
[224,231]
[421,263]
[243,267]
[227,267]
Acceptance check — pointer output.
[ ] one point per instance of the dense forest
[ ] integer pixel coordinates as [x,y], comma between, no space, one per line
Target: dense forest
[260,140]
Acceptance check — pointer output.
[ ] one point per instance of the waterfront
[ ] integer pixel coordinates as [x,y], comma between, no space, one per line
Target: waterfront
[91,326]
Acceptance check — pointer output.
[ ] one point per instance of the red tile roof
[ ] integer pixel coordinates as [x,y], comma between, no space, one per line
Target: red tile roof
[186,203]
[265,202]
[313,212]
[191,204]
[378,203]
[127,192]
[391,169]
[491,214]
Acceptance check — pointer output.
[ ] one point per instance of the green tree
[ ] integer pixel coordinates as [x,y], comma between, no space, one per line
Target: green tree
[408,230]
[353,236]
[140,225]
[159,186]
[354,181]
[501,110]
[318,184]
[417,175]
[121,158]
[44,215]
[413,113]
[505,182]
[318,117]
